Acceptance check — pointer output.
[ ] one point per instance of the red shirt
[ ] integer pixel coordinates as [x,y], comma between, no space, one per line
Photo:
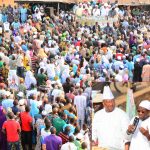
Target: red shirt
[119,55]
[78,43]
[70,95]
[12,127]
[26,121]
[64,137]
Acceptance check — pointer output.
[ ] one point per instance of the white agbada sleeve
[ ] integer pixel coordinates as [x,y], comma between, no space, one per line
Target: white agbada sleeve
[138,140]
[110,126]
[94,128]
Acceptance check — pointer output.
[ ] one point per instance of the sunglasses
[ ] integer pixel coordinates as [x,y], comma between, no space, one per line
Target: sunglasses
[141,111]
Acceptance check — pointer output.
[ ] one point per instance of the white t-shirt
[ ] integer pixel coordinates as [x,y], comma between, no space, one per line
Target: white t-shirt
[68,146]
[6,26]
[44,133]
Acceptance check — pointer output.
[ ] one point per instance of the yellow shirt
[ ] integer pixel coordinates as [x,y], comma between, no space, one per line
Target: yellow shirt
[25,61]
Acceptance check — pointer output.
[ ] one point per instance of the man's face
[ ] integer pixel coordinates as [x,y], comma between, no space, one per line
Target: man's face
[143,113]
[109,105]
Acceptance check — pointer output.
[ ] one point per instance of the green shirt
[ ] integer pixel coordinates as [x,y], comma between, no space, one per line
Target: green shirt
[58,123]
[41,78]
[1,64]
[77,144]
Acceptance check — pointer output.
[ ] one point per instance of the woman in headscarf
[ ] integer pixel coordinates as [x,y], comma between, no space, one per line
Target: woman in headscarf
[65,75]
[3,142]
[30,79]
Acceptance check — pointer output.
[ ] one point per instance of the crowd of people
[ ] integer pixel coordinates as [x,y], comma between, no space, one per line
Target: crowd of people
[45,83]
[47,66]
[97,9]
[122,48]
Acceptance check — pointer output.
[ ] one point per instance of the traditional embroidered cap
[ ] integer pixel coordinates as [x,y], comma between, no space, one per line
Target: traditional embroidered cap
[145,104]
[107,94]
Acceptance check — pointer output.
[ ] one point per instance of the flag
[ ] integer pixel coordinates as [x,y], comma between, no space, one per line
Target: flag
[130,104]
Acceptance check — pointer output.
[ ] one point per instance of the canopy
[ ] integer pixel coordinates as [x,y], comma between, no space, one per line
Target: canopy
[123,2]
[57,1]
[7,2]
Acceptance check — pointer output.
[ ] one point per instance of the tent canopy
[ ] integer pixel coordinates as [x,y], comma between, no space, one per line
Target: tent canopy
[57,1]
[123,2]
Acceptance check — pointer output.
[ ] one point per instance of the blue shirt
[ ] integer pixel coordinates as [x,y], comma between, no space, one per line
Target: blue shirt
[7,103]
[72,128]
[69,114]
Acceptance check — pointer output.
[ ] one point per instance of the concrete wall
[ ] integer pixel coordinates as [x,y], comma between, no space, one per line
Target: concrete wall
[7,2]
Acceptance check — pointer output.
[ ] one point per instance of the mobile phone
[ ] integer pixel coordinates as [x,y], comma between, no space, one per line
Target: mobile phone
[135,123]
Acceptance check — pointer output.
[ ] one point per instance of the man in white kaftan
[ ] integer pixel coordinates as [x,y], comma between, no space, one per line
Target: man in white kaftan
[140,138]
[80,103]
[109,124]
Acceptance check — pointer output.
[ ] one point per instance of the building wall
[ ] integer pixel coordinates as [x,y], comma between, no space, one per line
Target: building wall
[7,2]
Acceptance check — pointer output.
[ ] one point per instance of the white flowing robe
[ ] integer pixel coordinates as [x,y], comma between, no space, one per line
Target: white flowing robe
[80,102]
[138,140]
[110,128]
[50,68]
[29,79]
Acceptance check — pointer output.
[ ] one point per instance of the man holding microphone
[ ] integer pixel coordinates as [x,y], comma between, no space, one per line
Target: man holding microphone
[138,132]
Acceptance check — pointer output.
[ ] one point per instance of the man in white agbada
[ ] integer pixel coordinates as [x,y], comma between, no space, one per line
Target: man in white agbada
[140,138]
[50,68]
[80,103]
[96,11]
[109,124]
[29,79]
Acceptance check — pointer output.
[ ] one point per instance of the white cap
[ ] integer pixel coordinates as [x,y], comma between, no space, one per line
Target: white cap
[107,94]
[20,94]
[77,56]
[79,136]
[21,102]
[119,57]
[104,70]
[44,113]
[53,82]
[56,57]
[77,84]
[7,93]
[137,59]
[121,66]
[105,4]
[48,108]
[145,104]
[79,39]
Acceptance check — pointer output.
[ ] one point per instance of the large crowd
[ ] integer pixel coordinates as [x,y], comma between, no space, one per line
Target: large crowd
[45,83]
[48,63]
[120,50]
